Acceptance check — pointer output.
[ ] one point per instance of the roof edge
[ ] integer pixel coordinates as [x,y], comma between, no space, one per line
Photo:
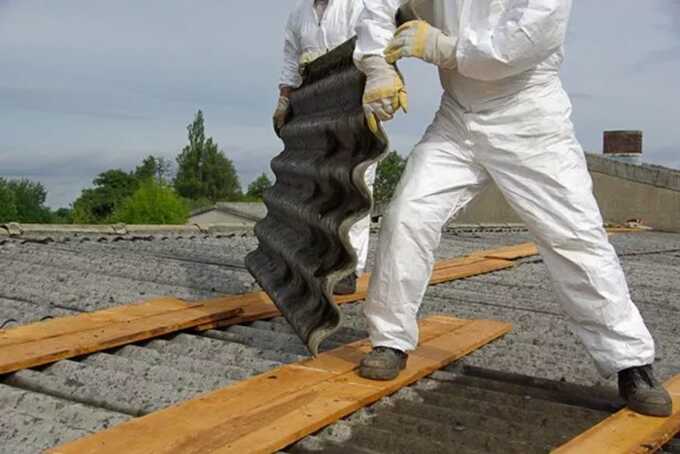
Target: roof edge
[660,177]
[16,229]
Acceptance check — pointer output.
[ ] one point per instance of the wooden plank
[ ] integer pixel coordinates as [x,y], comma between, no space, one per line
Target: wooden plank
[469,270]
[295,416]
[524,250]
[270,411]
[73,336]
[629,432]
[515,252]
[220,405]
[70,324]
[260,307]
[43,351]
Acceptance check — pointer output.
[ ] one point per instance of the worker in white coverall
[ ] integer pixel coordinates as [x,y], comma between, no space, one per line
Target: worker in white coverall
[314,28]
[504,117]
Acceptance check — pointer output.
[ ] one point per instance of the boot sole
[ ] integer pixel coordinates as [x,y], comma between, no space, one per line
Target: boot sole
[659,411]
[381,374]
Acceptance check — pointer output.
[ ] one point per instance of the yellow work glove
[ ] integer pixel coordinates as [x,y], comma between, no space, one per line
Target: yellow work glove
[385,92]
[306,59]
[421,40]
[281,113]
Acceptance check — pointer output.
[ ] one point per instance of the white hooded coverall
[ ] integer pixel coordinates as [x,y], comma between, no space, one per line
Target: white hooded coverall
[308,36]
[504,117]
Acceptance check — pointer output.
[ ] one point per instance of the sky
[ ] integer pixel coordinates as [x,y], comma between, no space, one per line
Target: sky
[92,85]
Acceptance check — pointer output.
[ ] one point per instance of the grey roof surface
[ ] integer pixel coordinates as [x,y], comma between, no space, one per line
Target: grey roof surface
[462,409]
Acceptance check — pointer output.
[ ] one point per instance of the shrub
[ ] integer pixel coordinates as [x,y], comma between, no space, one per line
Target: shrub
[152,203]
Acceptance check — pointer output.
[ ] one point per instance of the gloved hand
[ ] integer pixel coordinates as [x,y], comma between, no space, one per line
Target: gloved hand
[307,59]
[281,112]
[385,92]
[421,40]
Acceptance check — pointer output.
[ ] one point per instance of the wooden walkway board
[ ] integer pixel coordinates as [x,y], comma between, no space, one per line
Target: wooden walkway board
[86,339]
[260,306]
[627,432]
[516,252]
[45,342]
[273,410]
[71,324]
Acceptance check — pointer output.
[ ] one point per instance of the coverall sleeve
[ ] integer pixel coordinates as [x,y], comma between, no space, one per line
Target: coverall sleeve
[290,73]
[527,33]
[375,27]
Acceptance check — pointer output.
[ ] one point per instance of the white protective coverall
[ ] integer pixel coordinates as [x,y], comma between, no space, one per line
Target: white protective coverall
[308,36]
[504,117]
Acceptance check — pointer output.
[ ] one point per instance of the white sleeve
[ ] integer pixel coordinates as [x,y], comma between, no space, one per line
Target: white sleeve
[527,33]
[290,73]
[376,27]
[356,9]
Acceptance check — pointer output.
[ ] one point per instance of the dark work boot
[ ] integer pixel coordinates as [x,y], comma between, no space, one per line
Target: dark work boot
[643,393]
[347,285]
[383,363]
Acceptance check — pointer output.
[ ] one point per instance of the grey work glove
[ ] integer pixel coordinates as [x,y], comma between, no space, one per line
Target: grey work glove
[281,113]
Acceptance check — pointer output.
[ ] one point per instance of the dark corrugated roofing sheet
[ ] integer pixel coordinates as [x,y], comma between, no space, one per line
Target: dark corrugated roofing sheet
[319,193]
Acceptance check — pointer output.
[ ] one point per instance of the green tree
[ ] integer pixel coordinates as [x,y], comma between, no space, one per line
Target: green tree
[29,201]
[388,175]
[203,169]
[154,167]
[96,205]
[62,216]
[152,203]
[8,209]
[257,187]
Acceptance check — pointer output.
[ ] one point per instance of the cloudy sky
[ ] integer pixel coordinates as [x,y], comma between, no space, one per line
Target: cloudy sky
[90,85]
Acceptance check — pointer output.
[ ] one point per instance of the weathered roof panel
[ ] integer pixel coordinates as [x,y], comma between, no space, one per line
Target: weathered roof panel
[50,405]
[319,193]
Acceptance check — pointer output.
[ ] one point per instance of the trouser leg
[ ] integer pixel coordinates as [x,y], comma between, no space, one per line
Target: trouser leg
[439,179]
[360,232]
[546,180]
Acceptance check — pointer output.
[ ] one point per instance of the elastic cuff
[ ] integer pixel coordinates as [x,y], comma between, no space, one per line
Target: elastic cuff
[392,343]
[608,371]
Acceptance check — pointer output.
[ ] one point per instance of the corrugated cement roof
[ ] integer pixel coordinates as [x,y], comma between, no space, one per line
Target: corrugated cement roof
[481,407]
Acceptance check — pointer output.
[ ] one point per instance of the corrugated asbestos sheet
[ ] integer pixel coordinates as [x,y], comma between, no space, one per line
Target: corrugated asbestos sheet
[319,193]
[48,276]
[469,410]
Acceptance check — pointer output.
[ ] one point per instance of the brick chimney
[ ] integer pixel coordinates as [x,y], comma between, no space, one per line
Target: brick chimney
[624,146]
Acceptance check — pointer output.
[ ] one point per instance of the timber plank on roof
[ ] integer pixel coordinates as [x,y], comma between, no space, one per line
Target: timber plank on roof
[28,354]
[74,323]
[275,409]
[629,432]
[67,337]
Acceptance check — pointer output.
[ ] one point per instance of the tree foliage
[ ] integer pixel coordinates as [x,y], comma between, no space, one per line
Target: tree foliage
[23,201]
[203,170]
[257,187]
[8,208]
[152,203]
[111,188]
[62,216]
[29,199]
[387,177]
[154,167]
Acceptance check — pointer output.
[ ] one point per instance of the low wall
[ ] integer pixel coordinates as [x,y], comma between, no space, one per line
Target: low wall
[623,191]
[619,200]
